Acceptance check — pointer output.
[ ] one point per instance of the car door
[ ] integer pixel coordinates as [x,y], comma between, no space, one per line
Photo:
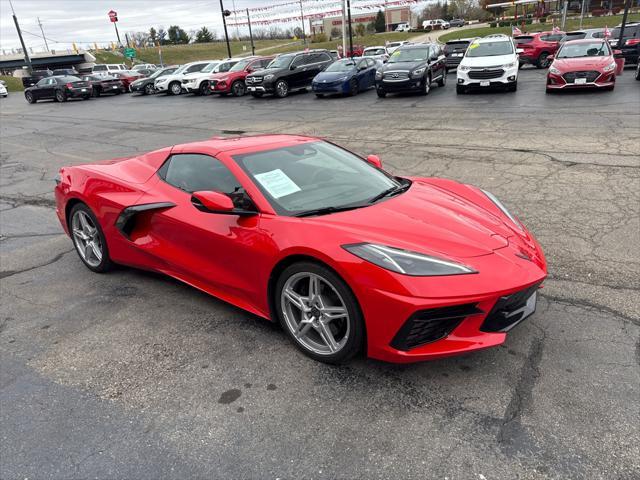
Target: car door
[213,251]
[296,77]
[49,90]
[38,88]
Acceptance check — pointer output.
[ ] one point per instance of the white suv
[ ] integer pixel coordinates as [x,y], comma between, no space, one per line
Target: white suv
[199,82]
[173,83]
[489,62]
[438,24]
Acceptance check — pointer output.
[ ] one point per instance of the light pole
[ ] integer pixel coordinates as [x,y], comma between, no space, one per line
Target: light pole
[253,47]
[24,48]
[46,45]
[350,32]
[304,34]
[225,14]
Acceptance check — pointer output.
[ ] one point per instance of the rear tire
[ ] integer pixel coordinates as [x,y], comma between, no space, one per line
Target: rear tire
[347,331]
[86,97]
[61,96]
[91,234]
[543,60]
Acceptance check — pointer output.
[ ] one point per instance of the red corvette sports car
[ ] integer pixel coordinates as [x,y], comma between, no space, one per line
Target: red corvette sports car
[584,64]
[298,230]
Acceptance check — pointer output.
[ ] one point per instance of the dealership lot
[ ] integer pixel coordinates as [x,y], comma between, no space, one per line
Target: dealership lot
[133,375]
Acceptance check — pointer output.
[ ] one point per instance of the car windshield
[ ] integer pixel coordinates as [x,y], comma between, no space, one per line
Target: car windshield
[69,79]
[409,55]
[314,175]
[588,49]
[210,67]
[282,61]
[370,52]
[223,67]
[490,49]
[241,65]
[344,65]
[157,73]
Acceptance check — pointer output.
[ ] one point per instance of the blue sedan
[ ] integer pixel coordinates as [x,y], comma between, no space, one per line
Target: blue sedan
[347,76]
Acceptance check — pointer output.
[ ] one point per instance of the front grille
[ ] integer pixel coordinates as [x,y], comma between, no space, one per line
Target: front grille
[591,76]
[453,60]
[427,326]
[501,316]
[486,74]
[396,76]
[254,80]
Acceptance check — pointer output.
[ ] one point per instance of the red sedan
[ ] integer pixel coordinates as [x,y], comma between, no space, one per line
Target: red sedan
[536,48]
[584,64]
[346,256]
[233,80]
[127,77]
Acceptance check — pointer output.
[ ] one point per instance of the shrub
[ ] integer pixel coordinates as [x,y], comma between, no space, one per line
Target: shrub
[529,21]
[598,12]
[616,10]
[542,20]
[319,38]
[493,25]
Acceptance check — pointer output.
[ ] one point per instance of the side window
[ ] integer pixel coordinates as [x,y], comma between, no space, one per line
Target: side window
[193,172]
[300,60]
[52,81]
[195,68]
[323,57]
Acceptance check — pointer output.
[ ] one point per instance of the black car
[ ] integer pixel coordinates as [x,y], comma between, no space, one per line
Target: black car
[145,85]
[59,88]
[454,51]
[456,22]
[103,85]
[412,68]
[630,45]
[291,71]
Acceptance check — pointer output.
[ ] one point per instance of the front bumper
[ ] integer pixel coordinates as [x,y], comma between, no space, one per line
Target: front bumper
[137,88]
[486,78]
[558,82]
[261,88]
[405,85]
[435,317]
[220,87]
[161,87]
[330,87]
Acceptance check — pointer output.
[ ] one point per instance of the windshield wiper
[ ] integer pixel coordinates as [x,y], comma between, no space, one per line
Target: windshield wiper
[390,191]
[326,210]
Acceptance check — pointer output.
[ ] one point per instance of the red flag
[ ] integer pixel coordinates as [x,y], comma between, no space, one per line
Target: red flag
[515,31]
[556,30]
[607,33]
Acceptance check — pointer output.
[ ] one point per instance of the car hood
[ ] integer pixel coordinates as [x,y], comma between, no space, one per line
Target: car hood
[267,71]
[487,61]
[332,76]
[402,66]
[428,219]
[579,63]
[219,75]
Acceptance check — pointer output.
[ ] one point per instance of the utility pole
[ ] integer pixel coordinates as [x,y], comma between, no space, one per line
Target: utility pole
[350,32]
[24,48]
[344,28]
[46,45]
[235,18]
[304,34]
[253,47]
[581,13]
[564,14]
[627,5]
[225,14]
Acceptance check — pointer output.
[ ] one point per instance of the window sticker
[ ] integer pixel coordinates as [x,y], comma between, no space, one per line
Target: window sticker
[474,45]
[277,183]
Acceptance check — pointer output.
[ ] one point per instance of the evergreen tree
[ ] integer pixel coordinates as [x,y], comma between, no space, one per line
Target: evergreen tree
[380,22]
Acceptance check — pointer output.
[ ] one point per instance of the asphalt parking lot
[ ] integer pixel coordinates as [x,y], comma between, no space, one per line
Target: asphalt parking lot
[133,375]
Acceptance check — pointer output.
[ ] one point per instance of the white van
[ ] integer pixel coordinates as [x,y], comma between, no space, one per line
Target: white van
[403,27]
[104,69]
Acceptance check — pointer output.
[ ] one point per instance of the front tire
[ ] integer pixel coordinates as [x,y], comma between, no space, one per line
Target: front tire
[381,94]
[30,98]
[353,87]
[427,85]
[175,88]
[513,86]
[88,239]
[204,89]
[238,88]
[320,95]
[319,313]
[282,89]
[149,90]
[443,81]
[461,89]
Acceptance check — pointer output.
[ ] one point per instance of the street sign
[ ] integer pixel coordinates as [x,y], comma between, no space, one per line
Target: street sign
[130,52]
[113,16]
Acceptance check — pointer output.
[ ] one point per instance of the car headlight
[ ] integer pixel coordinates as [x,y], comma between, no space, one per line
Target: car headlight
[161,81]
[378,75]
[418,71]
[610,67]
[223,79]
[554,70]
[464,68]
[268,77]
[509,65]
[504,210]
[406,262]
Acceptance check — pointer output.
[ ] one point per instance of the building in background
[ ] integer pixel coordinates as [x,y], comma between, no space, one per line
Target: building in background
[394,16]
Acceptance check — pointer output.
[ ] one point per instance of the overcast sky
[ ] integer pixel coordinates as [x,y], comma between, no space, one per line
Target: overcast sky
[86,21]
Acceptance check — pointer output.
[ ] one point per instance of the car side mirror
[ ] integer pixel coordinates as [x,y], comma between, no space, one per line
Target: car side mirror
[362,67]
[519,50]
[216,202]
[551,58]
[293,67]
[375,161]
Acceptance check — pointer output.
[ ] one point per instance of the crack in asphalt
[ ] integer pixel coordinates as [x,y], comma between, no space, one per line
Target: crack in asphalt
[591,305]
[22,200]
[10,273]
